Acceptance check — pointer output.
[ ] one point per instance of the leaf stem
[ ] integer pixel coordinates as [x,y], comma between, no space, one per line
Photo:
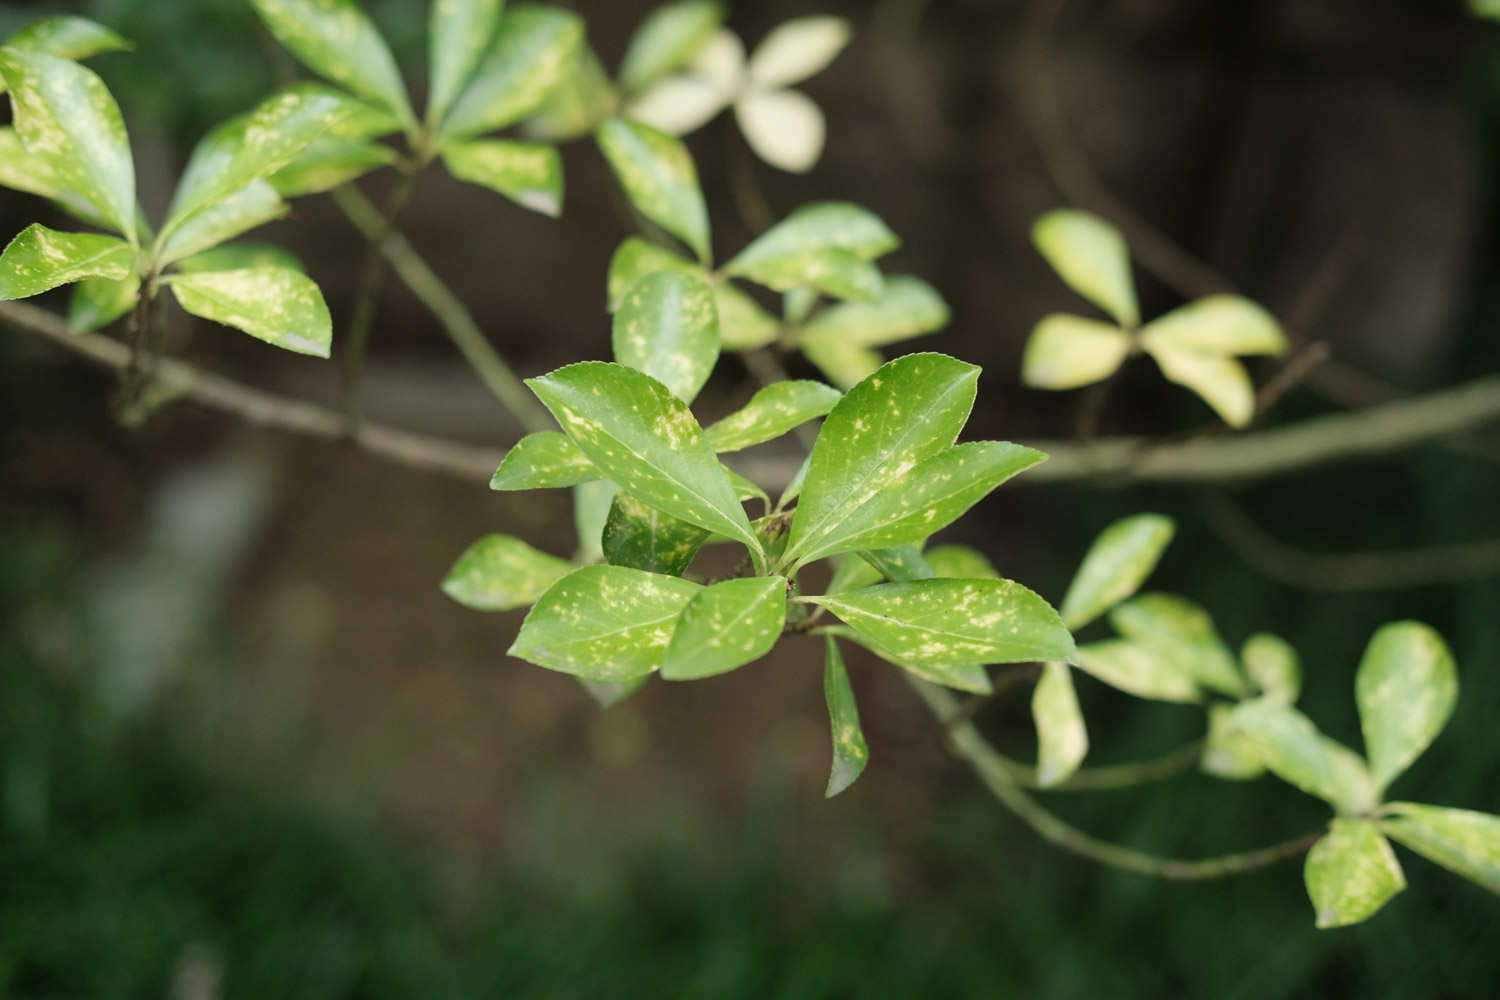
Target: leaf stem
[967,743]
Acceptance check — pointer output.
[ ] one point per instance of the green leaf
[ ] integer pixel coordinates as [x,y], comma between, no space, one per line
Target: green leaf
[667,40]
[1290,746]
[543,460]
[901,564]
[335,39]
[1067,352]
[458,32]
[832,271]
[40,258]
[744,489]
[726,626]
[1351,873]
[1272,664]
[233,256]
[794,488]
[1222,325]
[330,163]
[1183,634]
[274,304]
[658,176]
[255,205]
[1118,562]
[1062,737]
[772,412]
[498,573]
[1220,382]
[66,37]
[642,537]
[592,502]
[844,364]
[1227,752]
[743,324]
[820,246]
[610,693]
[533,48]
[1406,688]
[65,117]
[668,327]
[605,623]
[942,623]
[98,302]
[1464,842]
[906,307]
[850,753]
[1090,255]
[635,259]
[253,146]
[927,497]
[1137,669]
[963,677]
[644,438]
[909,410]
[960,561]
[582,98]
[528,173]
[853,572]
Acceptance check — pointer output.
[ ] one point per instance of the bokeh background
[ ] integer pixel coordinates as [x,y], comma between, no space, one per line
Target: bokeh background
[248,749]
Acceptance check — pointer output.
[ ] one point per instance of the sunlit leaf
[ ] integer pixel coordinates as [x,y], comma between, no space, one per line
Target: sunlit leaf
[1351,873]
[850,753]
[98,302]
[498,573]
[40,258]
[1406,688]
[330,163]
[667,326]
[1223,325]
[458,33]
[906,307]
[533,49]
[776,256]
[668,39]
[1062,737]
[721,61]
[1182,633]
[1067,352]
[798,49]
[277,305]
[726,626]
[605,623]
[528,173]
[1116,565]
[1273,665]
[659,177]
[542,460]
[1464,842]
[1137,669]
[257,204]
[642,537]
[678,105]
[1221,382]
[1090,255]
[784,127]
[335,39]
[772,412]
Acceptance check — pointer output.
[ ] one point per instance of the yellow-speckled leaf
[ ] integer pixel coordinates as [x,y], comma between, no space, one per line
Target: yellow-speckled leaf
[641,537]
[906,307]
[234,256]
[1227,751]
[726,626]
[659,177]
[1351,873]
[1221,382]
[1223,325]
[255,205]
[1272,664]
[274,304]
[1183,634]
[528,173]
[592,502]
[498,573]
[845,365]
[66,37]
[458,32]
[1118,562]
[335,39]
[98,302]
[41,258]
[796,244]
[1293,749]
[534,47]
[1137,669]
[1464,842]
[899,564]
[668,39]
[960,561]
[668,327]
[636,258]
[605,623]
[1406,688]
[1090,255]
[65,117]
[544,460]
[772,412]
[850,753]
[1062,737]
[582,98]
[1067,352]
[329,163]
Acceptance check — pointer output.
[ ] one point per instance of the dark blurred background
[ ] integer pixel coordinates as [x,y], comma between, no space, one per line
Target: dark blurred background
[248,749]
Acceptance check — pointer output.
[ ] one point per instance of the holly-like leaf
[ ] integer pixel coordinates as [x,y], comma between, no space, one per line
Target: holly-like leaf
[667,40]
[1406,688]
[1090,255]
[40,258]
[1137,669]
[335,39]
[909,410]
[543,460]
[659,178]
[1118,562]
[668,327]
[330,163]
[906,307]
[845,365]
[942,623]
[98,302]
[726,626]
[606,623]
[1272,664]
[1062,737]
[533,49]
[1220,382]
[1067,352]
[66,118]
[960,561]
[798,49]
[1351,873]
[642,537]
[1293,749]
[274,304]
[528,173]
[772,412]
[255,205]
[1464,842]
[1183,634]
[498,573]
[800,245]
[1222,325]
[458,33]
[644,438]
[850,752]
